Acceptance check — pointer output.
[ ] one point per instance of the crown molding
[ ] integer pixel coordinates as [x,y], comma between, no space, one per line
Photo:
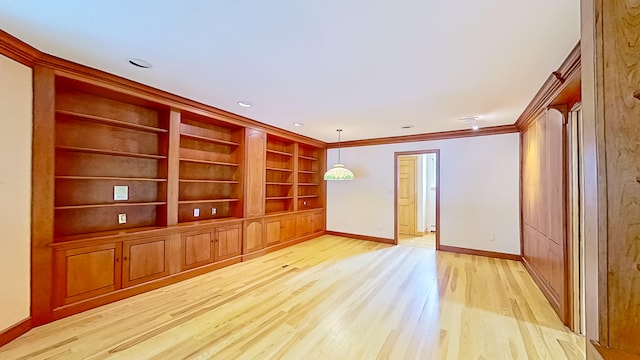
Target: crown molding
[567,74]
[25,54]
[444,135]
[17,50]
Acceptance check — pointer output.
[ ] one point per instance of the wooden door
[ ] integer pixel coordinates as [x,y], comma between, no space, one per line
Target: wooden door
[288,228]
[228,242]
[273,232]
[303,225]
[317,220]
[256,144]
[144,260]
[407,196]
[198,249]
[86,272]
[253,236]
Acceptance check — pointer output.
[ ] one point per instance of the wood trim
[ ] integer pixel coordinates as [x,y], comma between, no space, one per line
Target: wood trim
[491,254]
[444,135]
[395,190]
[24,53]
[15,331]
[42,194]
[17,50]
[597,351]
[551,88]
[362,237]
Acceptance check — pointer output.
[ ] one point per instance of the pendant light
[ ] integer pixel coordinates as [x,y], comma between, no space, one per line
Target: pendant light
[339,172]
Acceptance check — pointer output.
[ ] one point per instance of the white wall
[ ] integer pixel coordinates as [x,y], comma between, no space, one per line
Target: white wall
[15,191]
[479,191]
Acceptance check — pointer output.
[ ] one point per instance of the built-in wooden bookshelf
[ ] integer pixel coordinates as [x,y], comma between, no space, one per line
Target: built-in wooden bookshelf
[280,175]
[103,141]
[310,171]
[210,169]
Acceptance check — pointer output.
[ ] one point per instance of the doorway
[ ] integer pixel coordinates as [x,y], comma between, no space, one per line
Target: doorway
[417,198]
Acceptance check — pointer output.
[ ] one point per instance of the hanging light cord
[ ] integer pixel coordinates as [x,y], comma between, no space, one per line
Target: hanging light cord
[339,131]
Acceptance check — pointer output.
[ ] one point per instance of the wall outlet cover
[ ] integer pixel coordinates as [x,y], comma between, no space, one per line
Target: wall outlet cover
[196,212]
[214,211]
[120,192]
[122,218]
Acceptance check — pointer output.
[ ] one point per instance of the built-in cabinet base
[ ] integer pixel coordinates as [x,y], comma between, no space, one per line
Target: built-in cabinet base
[92,272]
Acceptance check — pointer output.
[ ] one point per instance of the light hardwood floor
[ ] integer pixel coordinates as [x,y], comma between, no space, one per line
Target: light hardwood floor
[328,298]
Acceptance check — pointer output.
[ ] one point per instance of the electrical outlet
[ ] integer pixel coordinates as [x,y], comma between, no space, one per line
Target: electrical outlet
[214,211]
[493,237]
[196,212]
[304,203]
[122,218]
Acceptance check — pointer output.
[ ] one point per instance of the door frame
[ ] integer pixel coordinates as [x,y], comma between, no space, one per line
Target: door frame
[396,184]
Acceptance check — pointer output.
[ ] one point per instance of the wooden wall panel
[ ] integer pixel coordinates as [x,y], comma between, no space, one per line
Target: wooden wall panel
[256,142]
[543,194]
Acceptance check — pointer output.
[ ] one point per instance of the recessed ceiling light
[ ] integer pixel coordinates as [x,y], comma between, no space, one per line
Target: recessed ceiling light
[139,63]
[475,127]
[297,124]
[244,103]
[407,127]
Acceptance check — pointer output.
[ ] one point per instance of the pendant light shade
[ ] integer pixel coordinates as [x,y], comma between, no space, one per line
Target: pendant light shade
[338,171]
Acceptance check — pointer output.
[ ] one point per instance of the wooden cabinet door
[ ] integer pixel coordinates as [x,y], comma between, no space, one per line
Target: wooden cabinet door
[272,228]
[303,225]
[317,220]
[253,236]
[144,260]
[86,272]
[288,228]
[256,145]
[198,249]
[228,242]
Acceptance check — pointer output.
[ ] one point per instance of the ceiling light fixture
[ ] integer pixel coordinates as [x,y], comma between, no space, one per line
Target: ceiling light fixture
[297,124]
[244,103]
[139,63]
[339,172]
[472,121]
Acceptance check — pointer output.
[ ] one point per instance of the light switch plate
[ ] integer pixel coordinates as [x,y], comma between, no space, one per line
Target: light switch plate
[122,218]
[214,211]
[196,212]
[120,192]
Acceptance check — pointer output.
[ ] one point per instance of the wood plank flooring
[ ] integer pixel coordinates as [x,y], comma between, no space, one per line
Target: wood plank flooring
[328,298]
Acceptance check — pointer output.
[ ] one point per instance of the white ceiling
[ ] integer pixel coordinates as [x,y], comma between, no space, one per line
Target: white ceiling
[367,66]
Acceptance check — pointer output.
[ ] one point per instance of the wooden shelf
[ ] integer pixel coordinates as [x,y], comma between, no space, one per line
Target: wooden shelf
[209,162]
[208,139]
[307,157]
[110,152]
[307,172]
[204,181]
[307,196]
[279,198]
[72,177]
[95,206]
[206,201]
[279,152]
[279,183]
[279,169]
[112,122]
[308,184]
